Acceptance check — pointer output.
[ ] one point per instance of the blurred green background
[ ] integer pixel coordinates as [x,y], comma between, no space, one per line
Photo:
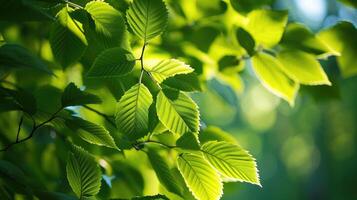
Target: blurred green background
[308,151]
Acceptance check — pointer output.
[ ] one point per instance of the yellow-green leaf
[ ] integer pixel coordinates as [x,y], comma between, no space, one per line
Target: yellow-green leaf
[233,162]
[302,67]
[168,68]
[202,180]
[268,70]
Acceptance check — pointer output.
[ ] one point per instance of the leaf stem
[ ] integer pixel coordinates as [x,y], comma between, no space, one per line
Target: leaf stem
[74,5]
[19,128]
[155,142]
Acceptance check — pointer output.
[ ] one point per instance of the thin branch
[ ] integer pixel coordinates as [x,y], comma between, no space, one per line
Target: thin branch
[74,5]
[19,128]
[106,117]
[33,131]
[154,142]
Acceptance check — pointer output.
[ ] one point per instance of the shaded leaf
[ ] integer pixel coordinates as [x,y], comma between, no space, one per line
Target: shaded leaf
[246,40]
[83,173]
[163,172]
[73,96]
[213,133]
[188,141]
[16,56]
[112,63]
[184,82]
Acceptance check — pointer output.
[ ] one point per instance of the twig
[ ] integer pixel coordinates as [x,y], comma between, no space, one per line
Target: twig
[106,117]
[154,142]
[19,128]
[73,4]
[33,131]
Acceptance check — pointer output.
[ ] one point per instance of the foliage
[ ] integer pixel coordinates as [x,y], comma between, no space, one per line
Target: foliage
[113,48]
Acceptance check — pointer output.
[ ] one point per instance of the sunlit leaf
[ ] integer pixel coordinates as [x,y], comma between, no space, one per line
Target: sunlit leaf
[177,111]
[268,70]
[83,173]
[132,115]
[231,161]
[302,68]
[67,39]
[112,63]
[147,18]
[163,172]
[73,96]
[266,26]
[109,26]
[168,68]
[213,133]
[339,39]
[202,180]
[91,132]
[245,6]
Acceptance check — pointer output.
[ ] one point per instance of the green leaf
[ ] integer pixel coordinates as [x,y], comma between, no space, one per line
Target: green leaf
[266,26]
[133,111]
[245,6]
[299,37]
[92,133]
[202,180]
[73,96]
[14,177]
[83,173]
[177,112]
[233,162]
[188,141]
[184,82]
[338,39]
[109,25]
[168,68]
[213,133]
[147,18]
[163,172]
[268,70]
[67,39]
[54,196]
[16,56]
[351,3]
[302,67]
[112,63]
[26,10]
[246,40]
[17,100]
[154,197]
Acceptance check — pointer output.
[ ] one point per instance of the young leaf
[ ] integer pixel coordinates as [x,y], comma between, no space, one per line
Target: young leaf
[73,96]
[112,63]
[202,180]
[246,40]
[163,172]
[267,26]
[268,70]
[231,161]
[177,111]
[16,56]
[133,111]
[67,39]
[168,68]
[83,173]
[188,141]
[184,82]
[91,132]
[109,25]
[147,18]
[338,39]
[302,67]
